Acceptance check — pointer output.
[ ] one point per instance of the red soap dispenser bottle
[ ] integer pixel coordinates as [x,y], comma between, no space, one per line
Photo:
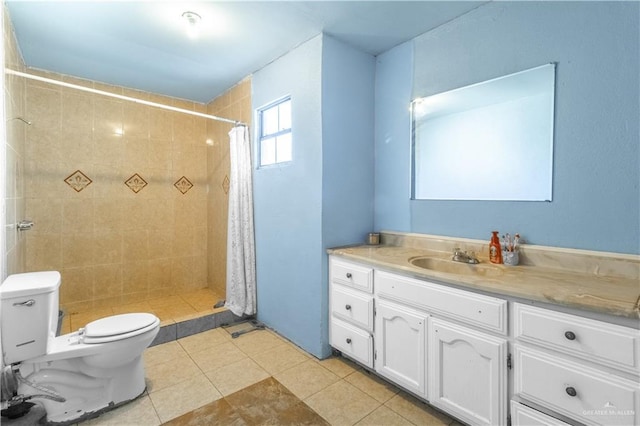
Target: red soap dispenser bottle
[495,251]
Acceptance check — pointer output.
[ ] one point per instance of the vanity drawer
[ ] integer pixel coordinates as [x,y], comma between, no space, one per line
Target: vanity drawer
[474,309]
[352,341]
[596,341]
[352,275]
[521,415]
[351,306]
[575,390]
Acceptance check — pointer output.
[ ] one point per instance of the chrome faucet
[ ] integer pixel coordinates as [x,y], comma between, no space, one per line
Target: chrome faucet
[464,257]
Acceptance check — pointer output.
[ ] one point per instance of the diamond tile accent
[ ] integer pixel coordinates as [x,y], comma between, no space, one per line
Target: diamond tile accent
[136,183]
[225,184]
[78,181]
[183,184]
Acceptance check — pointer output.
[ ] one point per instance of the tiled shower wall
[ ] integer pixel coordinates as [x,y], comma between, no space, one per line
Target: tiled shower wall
[234,104]
[14,92]
[118,193]
[129,201]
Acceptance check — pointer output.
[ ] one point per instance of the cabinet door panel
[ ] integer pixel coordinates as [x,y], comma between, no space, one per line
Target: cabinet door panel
[467,373]
[400,346]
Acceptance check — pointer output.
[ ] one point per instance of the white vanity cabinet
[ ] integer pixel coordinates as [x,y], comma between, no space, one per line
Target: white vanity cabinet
[451,348]
[351,310]
[583,369]
[464,368]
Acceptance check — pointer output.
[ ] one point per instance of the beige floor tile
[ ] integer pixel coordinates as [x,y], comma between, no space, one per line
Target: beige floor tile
[258,341]
[205,340]
[341,367]
[416,411]
[139,412]
[236,376]
[176,311]
[384,416]
[166,374]
[306,379]
[186,396]
[279,359]
[342,404]
[163,353]
[222,355]
[372,385]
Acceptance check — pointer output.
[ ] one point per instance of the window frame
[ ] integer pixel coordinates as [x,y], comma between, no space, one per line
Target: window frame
[260,137]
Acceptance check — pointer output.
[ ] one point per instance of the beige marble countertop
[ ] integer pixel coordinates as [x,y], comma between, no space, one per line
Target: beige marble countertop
[610,295]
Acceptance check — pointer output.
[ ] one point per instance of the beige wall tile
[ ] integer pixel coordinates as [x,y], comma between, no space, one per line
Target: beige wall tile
[106,226]
[135,280]
[44,252]
[107,282]
[77,284]
[78,250]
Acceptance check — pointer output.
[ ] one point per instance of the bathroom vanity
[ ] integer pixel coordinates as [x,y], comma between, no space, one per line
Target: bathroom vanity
[491,344]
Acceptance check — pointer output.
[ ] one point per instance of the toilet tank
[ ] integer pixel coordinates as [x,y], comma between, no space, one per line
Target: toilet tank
[29,314]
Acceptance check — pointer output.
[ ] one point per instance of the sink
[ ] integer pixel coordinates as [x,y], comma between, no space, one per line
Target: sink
[458,268]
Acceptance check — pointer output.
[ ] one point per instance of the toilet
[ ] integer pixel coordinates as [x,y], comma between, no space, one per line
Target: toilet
[77,375]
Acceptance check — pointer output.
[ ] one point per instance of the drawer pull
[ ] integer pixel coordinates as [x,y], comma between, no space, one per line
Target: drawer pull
[349,275]
[348,307]
[570,335]
[348,340]
[571,391]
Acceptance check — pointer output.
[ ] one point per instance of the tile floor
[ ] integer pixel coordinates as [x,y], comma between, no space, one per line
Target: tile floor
[170,309]
[260,378]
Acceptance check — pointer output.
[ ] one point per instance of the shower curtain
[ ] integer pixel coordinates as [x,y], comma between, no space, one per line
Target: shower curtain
[241,257]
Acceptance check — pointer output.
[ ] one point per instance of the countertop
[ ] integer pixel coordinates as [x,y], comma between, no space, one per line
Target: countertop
[604,294]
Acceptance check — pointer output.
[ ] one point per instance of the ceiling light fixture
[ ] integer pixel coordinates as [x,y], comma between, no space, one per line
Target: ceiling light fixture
[192,21]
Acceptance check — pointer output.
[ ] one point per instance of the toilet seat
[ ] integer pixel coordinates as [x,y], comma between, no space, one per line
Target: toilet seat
[118,327]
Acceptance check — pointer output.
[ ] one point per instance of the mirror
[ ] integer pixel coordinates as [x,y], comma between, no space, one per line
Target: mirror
[488,141]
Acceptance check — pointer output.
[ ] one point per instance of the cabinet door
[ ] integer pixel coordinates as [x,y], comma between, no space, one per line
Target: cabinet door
[467,373]
[400,346]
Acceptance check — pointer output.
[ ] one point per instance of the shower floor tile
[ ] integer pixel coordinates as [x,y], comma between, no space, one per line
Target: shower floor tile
[170,309]
[229,382]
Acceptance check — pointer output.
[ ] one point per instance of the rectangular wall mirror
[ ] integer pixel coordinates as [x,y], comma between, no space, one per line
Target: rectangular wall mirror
[487,141]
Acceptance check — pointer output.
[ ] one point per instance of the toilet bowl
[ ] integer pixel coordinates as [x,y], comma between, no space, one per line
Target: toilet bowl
[77,375]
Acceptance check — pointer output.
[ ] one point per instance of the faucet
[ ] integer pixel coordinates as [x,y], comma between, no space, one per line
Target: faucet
[464,257]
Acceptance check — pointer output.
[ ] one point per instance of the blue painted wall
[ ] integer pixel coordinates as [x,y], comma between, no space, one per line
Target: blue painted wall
[348,154]
[394,74]
[596,196]
[324,197]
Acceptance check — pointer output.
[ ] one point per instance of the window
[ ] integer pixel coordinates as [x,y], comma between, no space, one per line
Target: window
[275,133]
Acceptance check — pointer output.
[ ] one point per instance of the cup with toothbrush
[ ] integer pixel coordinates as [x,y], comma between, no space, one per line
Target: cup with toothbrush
[510,249]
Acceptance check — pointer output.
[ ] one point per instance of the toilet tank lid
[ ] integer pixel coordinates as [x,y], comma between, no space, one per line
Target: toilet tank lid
[29,284]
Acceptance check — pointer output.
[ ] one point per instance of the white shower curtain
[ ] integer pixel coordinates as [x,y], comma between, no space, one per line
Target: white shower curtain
[241,256]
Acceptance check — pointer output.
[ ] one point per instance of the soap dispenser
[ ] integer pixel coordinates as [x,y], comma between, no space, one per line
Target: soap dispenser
[495,251]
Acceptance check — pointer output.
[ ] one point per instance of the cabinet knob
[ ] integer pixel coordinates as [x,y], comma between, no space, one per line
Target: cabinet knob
[570,335]
[348,340]
[349,275]
[571,391]
[348,307]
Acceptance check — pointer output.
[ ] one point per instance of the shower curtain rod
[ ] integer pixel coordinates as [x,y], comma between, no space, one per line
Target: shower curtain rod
[122,97]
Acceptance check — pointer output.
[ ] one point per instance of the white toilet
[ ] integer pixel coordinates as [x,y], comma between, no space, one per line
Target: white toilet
[93,369]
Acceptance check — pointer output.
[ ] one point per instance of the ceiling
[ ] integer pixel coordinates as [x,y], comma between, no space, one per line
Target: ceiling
[144,45]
